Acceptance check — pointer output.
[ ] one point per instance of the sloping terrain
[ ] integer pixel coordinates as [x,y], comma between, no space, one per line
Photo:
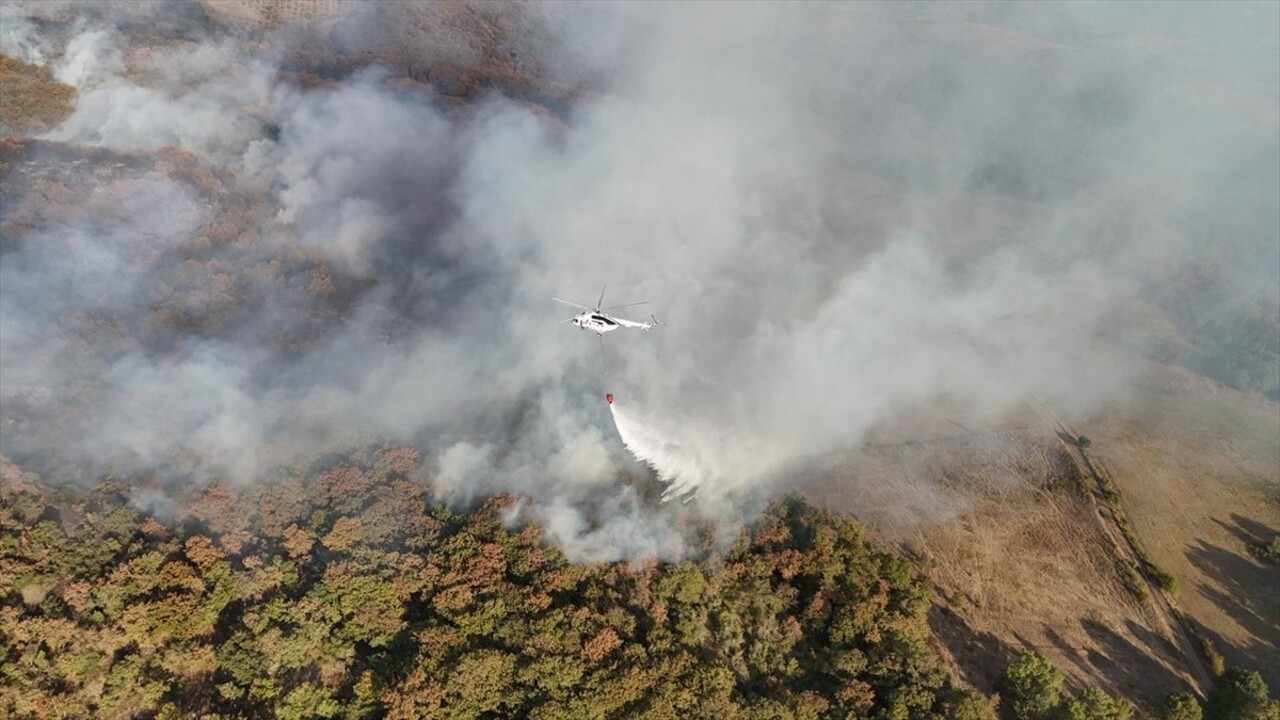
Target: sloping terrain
[997,513]
[1016,551]
[1030,554]
[1199,467]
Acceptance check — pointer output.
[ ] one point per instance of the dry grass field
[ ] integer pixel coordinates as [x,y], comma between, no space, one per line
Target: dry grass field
[1015,548]
[1024,557]
[1199,467]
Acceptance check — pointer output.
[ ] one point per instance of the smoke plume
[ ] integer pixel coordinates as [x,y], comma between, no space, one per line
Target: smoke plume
[324,231]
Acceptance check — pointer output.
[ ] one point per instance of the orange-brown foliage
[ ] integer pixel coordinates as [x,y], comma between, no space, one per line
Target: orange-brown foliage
[605,642]
[487,567]
[402,460]
[297,542]
[201,551]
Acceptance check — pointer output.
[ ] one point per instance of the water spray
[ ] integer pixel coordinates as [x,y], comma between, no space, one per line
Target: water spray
[675,465]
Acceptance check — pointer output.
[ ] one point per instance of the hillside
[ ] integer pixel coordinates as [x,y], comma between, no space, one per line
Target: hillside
[345,591]
[1006,524]
[1197,464]
[971,321]
[1001,527]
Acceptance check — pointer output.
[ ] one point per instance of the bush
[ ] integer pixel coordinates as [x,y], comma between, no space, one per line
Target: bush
[1180,706]
[1208,651]
[1033,686]
[1167,581]
[1132,581]
[970,705]
[1268,552]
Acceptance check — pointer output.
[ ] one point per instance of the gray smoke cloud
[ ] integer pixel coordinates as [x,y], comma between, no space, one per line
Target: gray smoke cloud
[842,212]
[19,37]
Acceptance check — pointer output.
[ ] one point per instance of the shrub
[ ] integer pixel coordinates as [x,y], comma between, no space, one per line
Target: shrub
[1167,581]
[1208,651]
[1268,552]
[1132,581]
[971,705]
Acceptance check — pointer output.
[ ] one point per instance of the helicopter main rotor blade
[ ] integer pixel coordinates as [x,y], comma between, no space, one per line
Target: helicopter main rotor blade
[566,302]
[568,319]
[615,307]
[601,300]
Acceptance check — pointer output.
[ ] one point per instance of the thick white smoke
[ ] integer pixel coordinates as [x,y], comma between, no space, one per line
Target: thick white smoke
[19,37]
[842,211]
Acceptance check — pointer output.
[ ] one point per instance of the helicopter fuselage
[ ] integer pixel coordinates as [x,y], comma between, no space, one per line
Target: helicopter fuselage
[601,323]
[598,323]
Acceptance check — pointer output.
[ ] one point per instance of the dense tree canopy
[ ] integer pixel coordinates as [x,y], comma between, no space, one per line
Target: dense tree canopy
[345,592]
[1241,695]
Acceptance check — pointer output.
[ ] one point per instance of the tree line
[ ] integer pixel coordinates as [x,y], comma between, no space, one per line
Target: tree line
[345,592]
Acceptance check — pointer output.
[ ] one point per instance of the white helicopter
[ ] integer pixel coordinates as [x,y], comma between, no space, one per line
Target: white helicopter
[599,321]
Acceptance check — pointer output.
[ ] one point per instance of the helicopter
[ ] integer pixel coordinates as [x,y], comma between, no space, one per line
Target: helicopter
[599,321]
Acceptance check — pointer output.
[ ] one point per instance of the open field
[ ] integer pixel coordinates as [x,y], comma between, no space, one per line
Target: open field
[1017,553]
[1199,467]
[1024,557]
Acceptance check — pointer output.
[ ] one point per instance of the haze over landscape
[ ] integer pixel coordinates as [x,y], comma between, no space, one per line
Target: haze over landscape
[1000,281]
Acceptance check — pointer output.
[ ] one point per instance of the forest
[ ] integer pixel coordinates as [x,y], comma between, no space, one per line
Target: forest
[345,591]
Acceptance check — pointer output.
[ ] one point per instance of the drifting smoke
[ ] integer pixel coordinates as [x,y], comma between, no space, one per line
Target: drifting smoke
[842,212]
[19,37]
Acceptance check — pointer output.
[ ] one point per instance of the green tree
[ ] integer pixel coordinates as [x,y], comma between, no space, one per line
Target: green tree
[1180,706]
[480,683]
[1240,695]
[970,705]
[1033,686]
[308,701]
[1093,704]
